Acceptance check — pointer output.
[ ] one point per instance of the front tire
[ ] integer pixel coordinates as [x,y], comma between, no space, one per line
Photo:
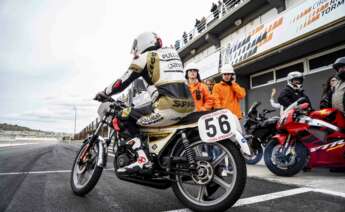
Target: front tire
[257,156]
[84,176]
[276,166]
[233,190]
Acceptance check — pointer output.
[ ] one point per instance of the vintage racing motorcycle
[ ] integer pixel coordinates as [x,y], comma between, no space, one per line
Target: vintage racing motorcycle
[179,157]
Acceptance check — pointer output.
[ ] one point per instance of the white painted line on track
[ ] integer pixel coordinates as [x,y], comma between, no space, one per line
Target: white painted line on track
[42,172]
[271,196]
[18,144]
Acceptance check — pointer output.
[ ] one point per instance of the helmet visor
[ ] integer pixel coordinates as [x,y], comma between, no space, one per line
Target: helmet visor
[134,46]
[297,81]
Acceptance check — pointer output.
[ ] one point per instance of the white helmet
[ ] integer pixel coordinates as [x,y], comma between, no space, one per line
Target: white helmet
[227,69]
[295,75]
[145,41]
[191,66]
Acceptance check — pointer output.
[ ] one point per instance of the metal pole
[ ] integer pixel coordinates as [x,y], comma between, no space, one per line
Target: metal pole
[75,119]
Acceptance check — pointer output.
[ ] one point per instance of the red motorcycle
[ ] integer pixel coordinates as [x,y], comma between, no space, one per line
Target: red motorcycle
[306,138]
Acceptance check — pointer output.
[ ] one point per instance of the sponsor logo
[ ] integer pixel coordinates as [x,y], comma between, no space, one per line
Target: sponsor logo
[141,160]
[181,103]
[328,147]
[148,120]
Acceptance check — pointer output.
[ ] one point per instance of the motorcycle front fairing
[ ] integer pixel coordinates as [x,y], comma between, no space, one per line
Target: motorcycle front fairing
[221,125]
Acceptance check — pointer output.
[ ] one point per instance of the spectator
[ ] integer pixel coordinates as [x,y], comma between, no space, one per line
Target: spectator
[275,104]
[228,93]
[202,24]
[177,44]
[328,91]
[214,10]
[185,37]
[336,99]
[197,25]
[190,36]
[221,7]
[293,90]
[209,83]
[200,93]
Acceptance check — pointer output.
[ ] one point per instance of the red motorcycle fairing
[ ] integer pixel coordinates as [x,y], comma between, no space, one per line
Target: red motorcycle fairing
[280,138]
[330,115]
[327,154]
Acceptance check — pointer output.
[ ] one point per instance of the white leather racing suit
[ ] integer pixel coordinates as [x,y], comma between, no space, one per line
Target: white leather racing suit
[162,69]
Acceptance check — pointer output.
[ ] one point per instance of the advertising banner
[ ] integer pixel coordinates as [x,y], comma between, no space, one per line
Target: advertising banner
[289,25]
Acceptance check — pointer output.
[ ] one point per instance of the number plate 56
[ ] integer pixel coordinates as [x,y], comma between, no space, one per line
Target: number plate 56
[217,126]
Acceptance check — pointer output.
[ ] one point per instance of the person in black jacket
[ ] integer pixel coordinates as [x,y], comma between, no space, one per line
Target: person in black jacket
[293,90]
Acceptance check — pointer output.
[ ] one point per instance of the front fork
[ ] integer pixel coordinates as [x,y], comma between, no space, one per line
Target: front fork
[287,146]
[102,145]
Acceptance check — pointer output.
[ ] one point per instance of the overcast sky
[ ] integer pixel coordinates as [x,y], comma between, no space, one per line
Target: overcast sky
[56,54]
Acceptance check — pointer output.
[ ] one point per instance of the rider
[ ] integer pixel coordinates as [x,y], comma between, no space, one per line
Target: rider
[336,98]
[161,68]
[201,95]
[293,90]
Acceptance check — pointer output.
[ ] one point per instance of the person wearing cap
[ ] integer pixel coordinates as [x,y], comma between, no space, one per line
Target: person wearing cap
[228,93]
[336,99]
[203,100]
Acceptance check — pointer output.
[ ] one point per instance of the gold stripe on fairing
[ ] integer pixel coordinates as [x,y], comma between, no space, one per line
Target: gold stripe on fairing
[163,82]
[156,146]
[179,105]
[153,66]
[136,68]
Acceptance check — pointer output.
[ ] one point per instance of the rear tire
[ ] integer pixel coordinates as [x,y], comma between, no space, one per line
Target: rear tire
[237,188]
[81,190]
[301,156]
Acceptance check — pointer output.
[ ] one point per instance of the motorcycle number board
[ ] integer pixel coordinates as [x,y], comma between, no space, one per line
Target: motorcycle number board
[216,126]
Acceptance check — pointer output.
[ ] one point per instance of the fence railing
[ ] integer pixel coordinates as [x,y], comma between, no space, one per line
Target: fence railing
[218,11]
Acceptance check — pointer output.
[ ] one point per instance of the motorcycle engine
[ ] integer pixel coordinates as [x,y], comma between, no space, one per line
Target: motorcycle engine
[122,160]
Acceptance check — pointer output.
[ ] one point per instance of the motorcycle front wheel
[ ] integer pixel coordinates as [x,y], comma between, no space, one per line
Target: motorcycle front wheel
[85,172]
[218,182]
[256,157]
[285,165]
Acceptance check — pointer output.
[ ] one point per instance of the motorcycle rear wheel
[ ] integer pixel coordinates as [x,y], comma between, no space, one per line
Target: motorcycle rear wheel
[203,198]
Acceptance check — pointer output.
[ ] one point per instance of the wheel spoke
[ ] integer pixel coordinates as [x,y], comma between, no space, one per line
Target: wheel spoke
[201,193]
[221,182]
[218,160]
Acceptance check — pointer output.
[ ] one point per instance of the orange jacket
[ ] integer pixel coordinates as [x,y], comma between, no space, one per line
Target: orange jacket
[205,102]
[229,96]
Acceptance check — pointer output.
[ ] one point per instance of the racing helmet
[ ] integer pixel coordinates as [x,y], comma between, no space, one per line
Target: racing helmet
[295,75]
[146,41]
[340,62]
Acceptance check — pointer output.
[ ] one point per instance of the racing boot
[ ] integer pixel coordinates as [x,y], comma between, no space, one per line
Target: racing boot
[142,159]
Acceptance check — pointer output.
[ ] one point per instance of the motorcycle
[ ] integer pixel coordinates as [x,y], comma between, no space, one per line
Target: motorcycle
[306,138]
[259,129]
[177,154]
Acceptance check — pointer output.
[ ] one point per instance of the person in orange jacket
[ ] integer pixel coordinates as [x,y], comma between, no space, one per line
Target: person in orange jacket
[203,100]
[228,93]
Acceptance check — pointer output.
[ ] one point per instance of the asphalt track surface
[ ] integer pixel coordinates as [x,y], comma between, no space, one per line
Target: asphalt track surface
[36,178]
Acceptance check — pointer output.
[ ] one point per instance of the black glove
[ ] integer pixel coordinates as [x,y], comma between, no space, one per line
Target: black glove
[101,96]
